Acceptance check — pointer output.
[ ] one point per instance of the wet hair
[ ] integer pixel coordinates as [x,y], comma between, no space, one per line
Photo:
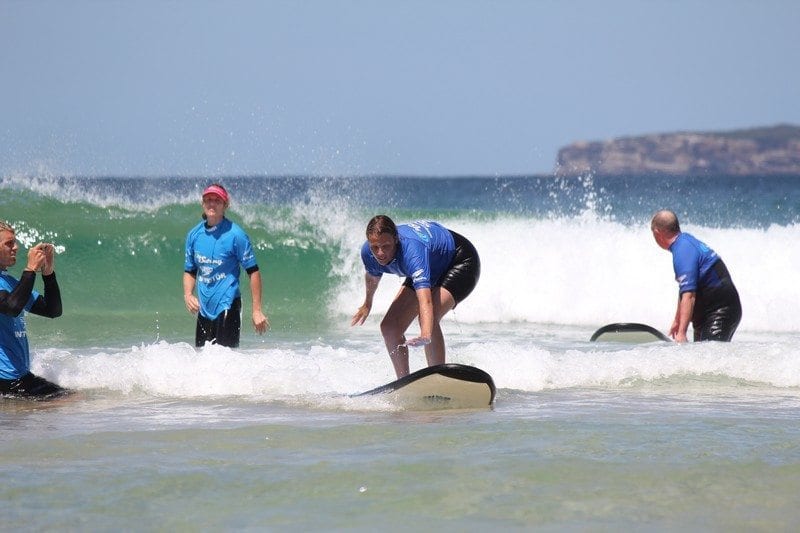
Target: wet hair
[666,221]
[380,224]
[5,226]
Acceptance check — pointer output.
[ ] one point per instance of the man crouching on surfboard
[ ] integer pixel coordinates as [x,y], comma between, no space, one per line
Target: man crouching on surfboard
[441,269]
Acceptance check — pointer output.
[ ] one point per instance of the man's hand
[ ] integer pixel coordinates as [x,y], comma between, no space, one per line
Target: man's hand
[49,259]
[36,258]
[418,341]
[260,321]
[361,315]
[192,305]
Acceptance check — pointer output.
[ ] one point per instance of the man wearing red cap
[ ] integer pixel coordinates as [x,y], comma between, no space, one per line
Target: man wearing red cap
[215,249]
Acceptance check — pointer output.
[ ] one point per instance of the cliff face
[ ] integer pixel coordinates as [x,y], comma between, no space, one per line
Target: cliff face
[762,151]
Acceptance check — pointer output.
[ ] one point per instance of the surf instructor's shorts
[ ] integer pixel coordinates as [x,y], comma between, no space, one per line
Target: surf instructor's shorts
[223,330]
[463,273]
[717,310]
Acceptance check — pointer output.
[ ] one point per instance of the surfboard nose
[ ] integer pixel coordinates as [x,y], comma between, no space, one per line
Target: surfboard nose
[447,386]
[630,332]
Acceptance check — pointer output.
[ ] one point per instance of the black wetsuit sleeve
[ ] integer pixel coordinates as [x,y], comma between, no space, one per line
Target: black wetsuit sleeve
[252,269]
[48,305]
[12,303]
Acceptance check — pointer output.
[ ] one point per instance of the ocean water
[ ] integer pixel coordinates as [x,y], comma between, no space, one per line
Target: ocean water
[597,436]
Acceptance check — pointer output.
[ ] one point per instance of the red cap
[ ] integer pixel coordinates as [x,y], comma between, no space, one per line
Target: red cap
[218,191]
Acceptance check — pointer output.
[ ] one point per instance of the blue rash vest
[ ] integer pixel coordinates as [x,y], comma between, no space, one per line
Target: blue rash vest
[15,358]
[214,255]
[424,253]
[692,261]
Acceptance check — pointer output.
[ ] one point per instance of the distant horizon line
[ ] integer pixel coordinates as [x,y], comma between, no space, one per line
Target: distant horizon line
[223,177]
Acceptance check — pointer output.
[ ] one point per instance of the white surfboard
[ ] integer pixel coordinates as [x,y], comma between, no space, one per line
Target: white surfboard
[448,386]
[628,332]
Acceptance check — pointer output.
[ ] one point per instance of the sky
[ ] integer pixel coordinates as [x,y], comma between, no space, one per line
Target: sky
[376,87]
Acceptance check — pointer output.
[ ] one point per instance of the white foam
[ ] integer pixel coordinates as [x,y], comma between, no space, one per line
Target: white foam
[522,358]
[589,271]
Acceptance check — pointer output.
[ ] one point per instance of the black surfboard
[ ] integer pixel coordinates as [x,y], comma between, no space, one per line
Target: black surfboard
[630,332]
[448,386]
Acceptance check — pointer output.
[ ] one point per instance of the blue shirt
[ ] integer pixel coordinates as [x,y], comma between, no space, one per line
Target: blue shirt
[214,254]
[692,261]
[15,358]
[423,254]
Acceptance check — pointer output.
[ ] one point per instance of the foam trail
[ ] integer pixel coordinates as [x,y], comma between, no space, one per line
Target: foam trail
[584,271]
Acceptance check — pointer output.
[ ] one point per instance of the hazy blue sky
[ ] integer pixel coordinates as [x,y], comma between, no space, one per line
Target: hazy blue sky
[376,87]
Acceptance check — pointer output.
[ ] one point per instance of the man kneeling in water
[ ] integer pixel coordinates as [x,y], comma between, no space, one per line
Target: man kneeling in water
[16,297]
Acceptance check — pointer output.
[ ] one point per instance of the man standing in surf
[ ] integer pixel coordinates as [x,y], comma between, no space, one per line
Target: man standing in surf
[16,297]
[707,295]
[441,269]
[215,249]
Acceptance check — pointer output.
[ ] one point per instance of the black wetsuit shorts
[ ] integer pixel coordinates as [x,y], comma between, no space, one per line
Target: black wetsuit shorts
[32,386]
[223,330]
[463,273]
[717,310]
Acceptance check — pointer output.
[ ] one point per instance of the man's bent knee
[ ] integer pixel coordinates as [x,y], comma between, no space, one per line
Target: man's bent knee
[391,330]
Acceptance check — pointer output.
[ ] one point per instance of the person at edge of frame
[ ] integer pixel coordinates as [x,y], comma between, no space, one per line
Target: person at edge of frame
[16,297]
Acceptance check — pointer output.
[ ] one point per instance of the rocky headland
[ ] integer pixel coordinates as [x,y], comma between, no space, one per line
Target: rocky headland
[759,151]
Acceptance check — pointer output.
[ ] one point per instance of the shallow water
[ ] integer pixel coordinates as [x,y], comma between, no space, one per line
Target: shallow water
[582,436]
[690,449]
